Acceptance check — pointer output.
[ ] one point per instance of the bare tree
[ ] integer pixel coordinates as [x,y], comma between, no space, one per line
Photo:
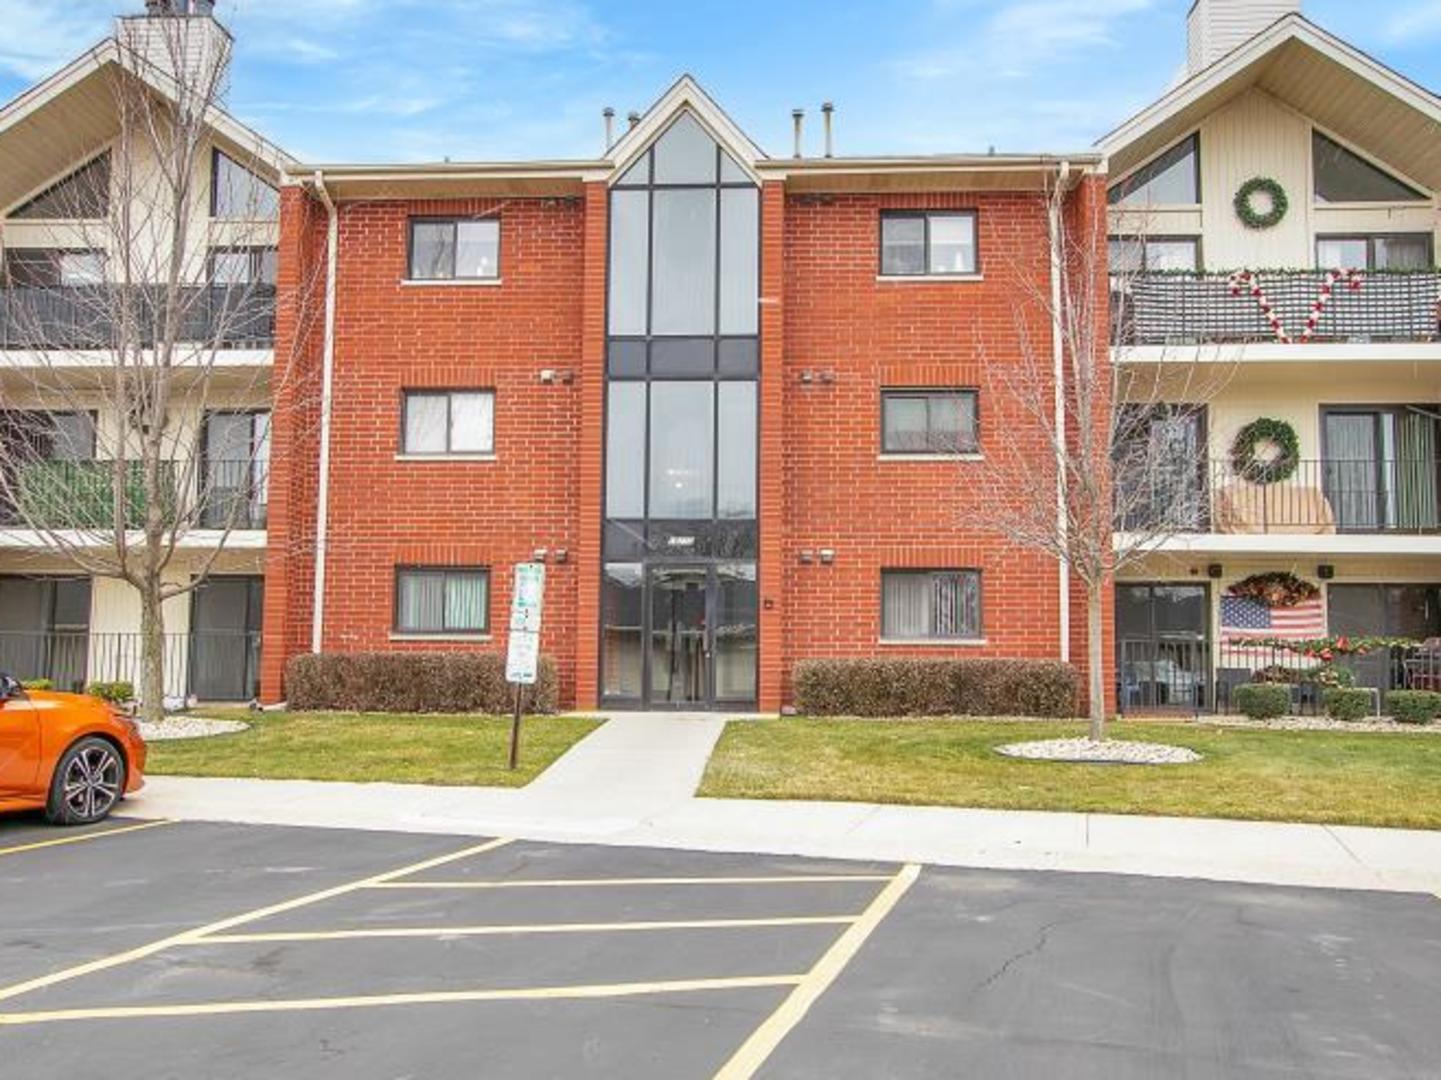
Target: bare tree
[124,331]
[1109,471]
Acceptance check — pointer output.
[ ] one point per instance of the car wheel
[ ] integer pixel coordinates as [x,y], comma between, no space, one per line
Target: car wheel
[87,784]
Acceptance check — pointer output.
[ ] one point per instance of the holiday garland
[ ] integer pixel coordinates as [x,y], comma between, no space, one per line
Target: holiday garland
[1279,588]
[1249,282]
[1249,215]
[1249,465]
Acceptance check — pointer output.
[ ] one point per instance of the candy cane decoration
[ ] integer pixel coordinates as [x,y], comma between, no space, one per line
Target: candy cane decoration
[1351,277]
[1249,282]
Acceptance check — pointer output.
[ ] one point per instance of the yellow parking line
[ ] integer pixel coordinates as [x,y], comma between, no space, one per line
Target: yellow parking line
[501,931]
[578,883]
[763,1041]
[187,936]
[82,837]
[533,993]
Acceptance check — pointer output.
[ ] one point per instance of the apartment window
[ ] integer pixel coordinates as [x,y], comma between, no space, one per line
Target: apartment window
[942,605]
[1391,251]
[49,268]
[431,600]
[929,422]
[49,436]
[238,194]
[242,266]
[83,194]
[454,250]
[928,242]
[1344,176]
[1136,255]
[449,422]
[1172,178]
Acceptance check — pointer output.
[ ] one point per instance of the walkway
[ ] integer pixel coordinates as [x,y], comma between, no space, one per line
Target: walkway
[632,783]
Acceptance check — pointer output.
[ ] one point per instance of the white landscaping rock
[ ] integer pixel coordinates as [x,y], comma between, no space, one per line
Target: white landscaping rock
[189,727]
[1110,752]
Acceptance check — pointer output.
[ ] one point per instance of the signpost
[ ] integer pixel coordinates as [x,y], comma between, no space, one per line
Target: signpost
[522,654]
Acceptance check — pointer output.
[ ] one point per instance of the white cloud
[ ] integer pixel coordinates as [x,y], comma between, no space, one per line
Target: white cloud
[36,41]
[1416,21]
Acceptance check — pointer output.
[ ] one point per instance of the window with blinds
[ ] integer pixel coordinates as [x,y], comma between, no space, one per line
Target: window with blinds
[944,605]
[442,601]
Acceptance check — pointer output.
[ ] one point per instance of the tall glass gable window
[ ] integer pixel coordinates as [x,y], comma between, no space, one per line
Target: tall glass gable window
[683,359]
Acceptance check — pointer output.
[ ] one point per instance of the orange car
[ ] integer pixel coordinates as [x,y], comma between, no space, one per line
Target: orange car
[73,755]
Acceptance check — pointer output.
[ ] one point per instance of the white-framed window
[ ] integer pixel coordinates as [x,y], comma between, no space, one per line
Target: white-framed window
[929,421]
[448,422]
[924,242]
[941,605]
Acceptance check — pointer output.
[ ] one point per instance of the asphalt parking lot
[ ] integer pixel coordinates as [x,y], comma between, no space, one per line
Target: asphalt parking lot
[190,950]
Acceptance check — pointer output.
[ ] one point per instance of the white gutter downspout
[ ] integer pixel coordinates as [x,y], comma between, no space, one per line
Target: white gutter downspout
[1058,373]
[322,494]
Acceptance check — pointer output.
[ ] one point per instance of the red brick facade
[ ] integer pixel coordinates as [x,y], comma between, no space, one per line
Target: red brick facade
[822,480]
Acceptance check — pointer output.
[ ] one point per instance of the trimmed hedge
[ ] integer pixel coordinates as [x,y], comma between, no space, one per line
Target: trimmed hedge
[117,693]
[1347,704]
[1262,701]
[418,682]
[926,687]
[1413,706]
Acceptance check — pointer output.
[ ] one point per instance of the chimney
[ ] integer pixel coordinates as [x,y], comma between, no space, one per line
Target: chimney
[828,111]
[1215,27]
[181,38]
[798,118]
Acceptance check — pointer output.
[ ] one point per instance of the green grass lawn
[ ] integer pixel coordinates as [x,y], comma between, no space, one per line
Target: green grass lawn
[406,749]
[1320,776]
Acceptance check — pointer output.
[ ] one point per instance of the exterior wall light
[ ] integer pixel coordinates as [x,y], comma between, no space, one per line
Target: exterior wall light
[806,557]
[561,555]
[539,554]
[828,555]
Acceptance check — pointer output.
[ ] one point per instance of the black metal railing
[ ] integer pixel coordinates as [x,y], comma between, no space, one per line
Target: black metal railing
[80,494]
[1322,495]
[1191,675]
[90,316]
[234,494]
[1169,308]
[213,665]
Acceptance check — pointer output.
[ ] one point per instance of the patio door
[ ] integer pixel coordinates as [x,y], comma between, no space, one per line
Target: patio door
[1163,649]
[45,629]
[225,639]
[1406,611]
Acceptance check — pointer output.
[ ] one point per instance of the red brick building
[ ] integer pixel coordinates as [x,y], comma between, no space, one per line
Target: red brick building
[738,404]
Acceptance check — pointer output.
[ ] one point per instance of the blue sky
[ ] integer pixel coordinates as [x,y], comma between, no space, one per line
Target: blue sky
[346,80]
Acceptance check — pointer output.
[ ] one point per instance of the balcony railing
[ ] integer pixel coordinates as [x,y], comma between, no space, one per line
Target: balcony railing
[1327,495]
[1168,308]
[86,316]
[234,494]
[80,495]
[213,665]
[1197,676]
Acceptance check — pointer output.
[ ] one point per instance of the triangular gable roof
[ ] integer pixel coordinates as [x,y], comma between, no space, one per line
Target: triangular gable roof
[1314,72]
[686,94]
[34,157]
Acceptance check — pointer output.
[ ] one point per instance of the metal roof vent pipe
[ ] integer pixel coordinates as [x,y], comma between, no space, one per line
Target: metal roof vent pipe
[632,118]
[798,118]
[608,115]
[828,110]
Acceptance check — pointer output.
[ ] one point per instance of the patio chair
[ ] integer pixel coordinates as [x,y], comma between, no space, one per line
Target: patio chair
[1423,666]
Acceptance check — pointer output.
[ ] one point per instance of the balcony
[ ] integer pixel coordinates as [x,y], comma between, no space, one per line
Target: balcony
[85,316]
[212,665]
[1184,308]
[235,494]
[1323,496]
[79,495]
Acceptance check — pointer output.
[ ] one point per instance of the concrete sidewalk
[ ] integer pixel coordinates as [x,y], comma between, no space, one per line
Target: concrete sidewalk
[632,783]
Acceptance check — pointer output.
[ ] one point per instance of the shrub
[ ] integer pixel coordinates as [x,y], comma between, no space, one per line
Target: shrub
[1413,706]
[933,687]
[117,693]
[36,684]
[401,682]
[1262,701]
[1344,703]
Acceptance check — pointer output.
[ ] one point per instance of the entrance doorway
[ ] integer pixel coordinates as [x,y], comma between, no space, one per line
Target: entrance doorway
[1163,649]
[225,639]
[679,635]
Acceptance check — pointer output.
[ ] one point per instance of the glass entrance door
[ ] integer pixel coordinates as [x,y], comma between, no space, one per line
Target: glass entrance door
[680,645]
[225,639]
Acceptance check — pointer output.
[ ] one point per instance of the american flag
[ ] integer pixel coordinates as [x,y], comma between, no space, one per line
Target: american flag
[1245,619]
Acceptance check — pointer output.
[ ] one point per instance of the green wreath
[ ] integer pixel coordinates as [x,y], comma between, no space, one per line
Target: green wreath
[1249,465]
[1248,214]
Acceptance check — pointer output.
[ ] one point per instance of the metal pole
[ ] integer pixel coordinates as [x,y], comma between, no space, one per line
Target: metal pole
[515,730]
